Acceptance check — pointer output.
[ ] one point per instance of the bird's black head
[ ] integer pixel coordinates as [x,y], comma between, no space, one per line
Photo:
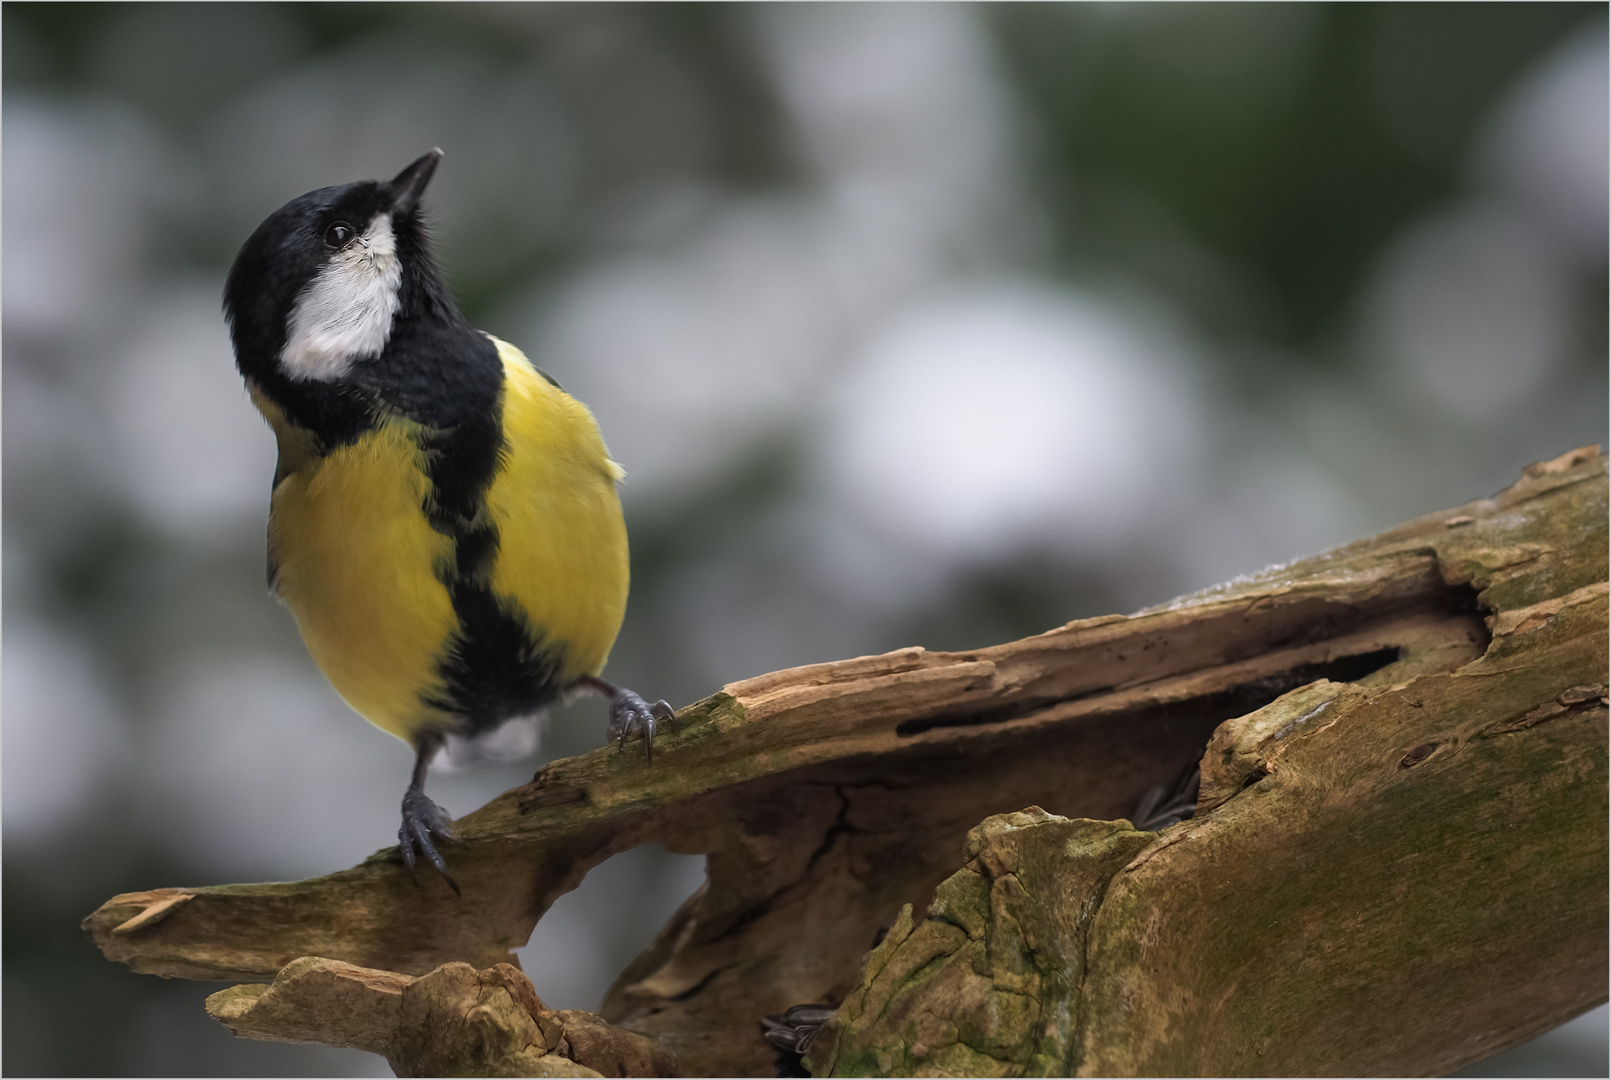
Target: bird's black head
[316,289]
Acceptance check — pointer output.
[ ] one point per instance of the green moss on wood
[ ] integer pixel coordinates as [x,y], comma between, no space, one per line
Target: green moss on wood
[982,983]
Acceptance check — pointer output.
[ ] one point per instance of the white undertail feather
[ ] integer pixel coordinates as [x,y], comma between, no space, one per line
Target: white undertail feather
[345,313]
[516,738]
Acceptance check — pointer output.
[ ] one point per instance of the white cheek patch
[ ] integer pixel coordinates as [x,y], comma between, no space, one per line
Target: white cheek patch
[345,313]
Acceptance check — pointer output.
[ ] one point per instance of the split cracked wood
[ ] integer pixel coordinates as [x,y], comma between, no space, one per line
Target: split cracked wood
[1399,864]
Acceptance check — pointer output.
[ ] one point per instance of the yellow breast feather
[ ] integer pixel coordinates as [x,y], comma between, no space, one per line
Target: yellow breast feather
[357,566]
[562,544]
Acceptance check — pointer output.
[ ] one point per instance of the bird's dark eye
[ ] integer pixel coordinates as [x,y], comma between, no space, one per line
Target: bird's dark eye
[339,235]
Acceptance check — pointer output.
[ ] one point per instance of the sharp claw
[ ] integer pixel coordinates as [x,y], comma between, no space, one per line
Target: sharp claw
[441,867]
[423,823]
[805,1015]
[630,715]
[405,844]
[443,831]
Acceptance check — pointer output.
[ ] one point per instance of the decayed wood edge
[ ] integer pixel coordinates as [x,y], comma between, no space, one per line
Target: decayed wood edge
[454,1021]
[1351,904]
[535,842]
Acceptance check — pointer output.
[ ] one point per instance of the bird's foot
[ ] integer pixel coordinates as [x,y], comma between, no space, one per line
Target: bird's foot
[424,826]
[631,715]
[791,1032]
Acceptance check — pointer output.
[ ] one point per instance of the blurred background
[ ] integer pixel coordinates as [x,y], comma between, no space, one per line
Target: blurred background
[912,324]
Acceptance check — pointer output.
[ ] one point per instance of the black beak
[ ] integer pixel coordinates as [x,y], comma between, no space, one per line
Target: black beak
[408,185]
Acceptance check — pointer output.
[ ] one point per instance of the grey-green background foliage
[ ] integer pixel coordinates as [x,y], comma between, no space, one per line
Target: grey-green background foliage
[931,324]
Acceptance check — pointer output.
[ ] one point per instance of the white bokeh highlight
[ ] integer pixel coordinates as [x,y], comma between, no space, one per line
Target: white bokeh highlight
[1470,312]
[1473,309]
[198,457]
[1547,145]
[700,350]
[81,183]
[981,422]
[63,746]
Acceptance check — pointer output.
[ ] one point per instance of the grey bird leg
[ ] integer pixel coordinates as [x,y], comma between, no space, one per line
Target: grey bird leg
[423,820]
[630,714]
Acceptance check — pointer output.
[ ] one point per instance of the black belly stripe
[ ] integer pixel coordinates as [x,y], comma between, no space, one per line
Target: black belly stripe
[496,665]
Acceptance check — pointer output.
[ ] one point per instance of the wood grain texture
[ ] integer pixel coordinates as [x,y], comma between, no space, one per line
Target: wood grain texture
[454,1021]
[1400,864]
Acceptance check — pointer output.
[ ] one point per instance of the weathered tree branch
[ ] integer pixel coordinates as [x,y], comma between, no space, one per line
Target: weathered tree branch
[1398,865]
[456,1021]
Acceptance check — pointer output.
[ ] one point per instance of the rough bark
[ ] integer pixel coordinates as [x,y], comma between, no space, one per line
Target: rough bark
[1399,864]
[456,1021]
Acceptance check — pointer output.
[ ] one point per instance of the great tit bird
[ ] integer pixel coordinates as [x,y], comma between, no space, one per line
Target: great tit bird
[443,522]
